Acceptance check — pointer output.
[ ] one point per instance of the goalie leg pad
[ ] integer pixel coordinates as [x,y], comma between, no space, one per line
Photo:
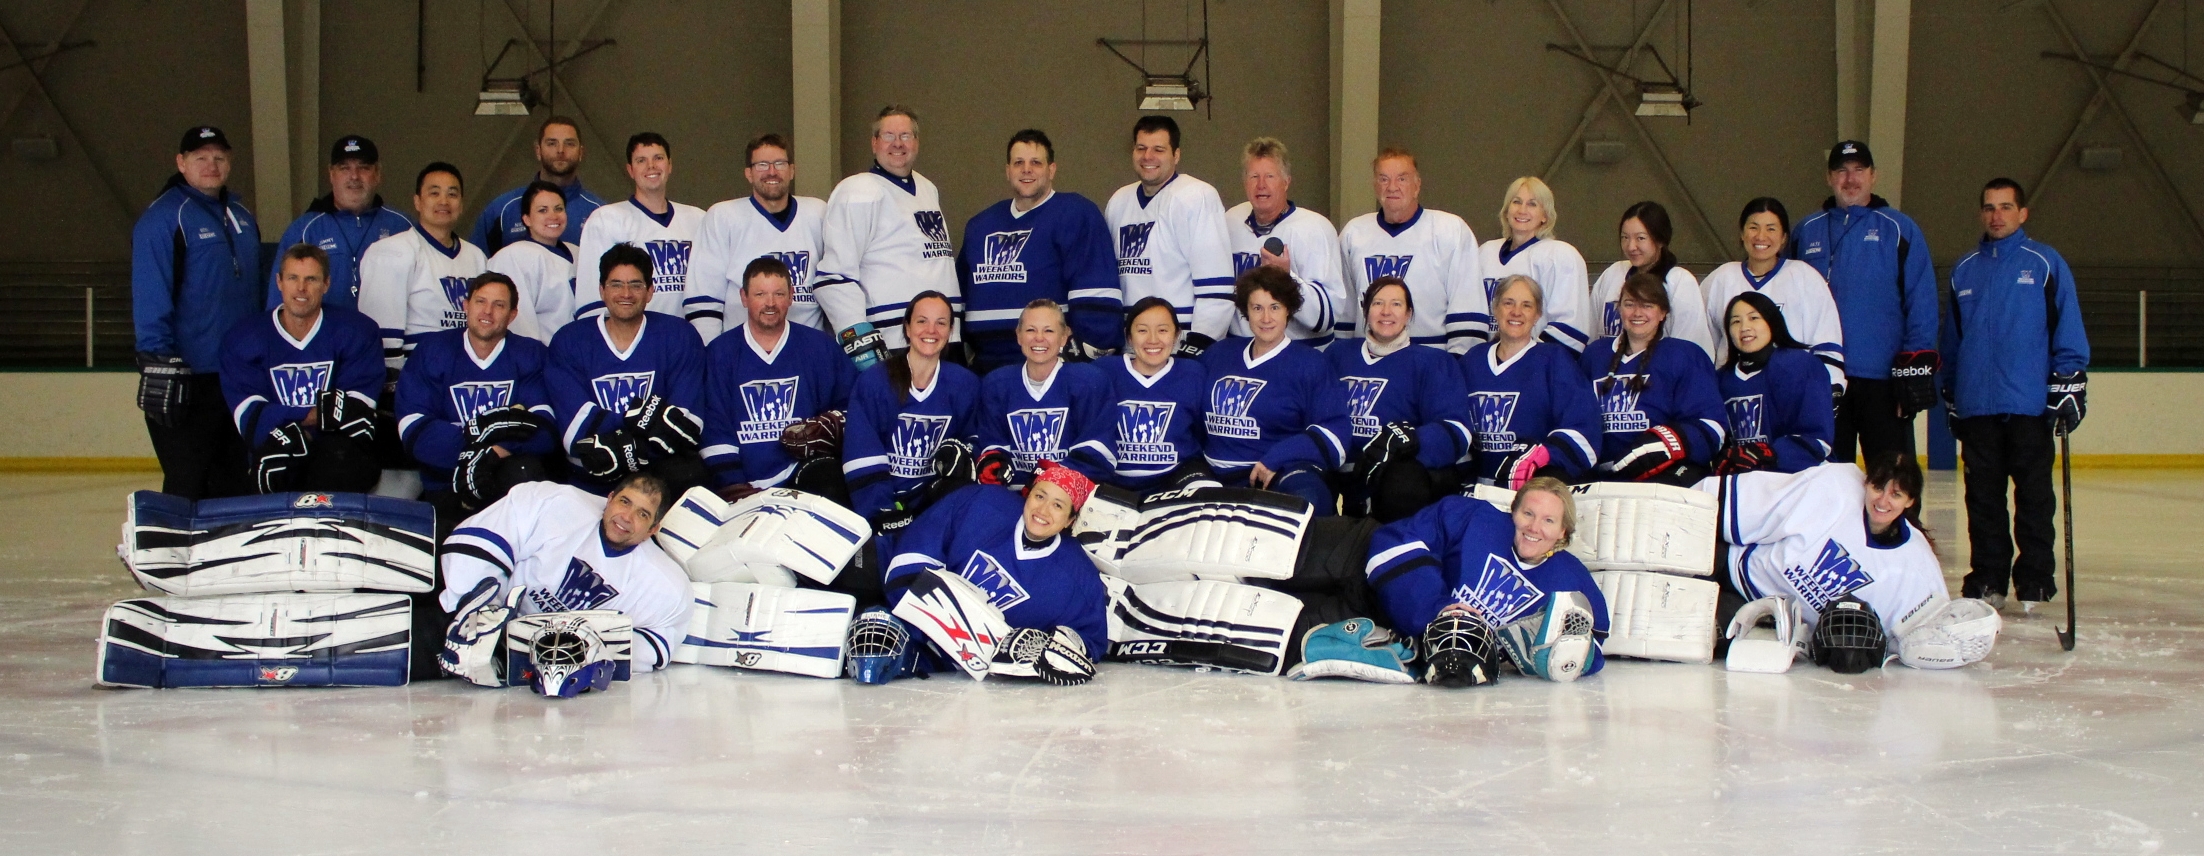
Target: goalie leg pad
[1202,623]
[1555,641]
[258,640]
[793,531]
[798,631]
[1109,515]
[279,543]
[1644,527]
[691,523]
[1215,533]
[954,614]
[612,628]
[1658,616]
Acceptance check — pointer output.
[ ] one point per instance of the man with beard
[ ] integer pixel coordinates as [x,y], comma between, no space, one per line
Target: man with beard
[559,161]
[771,221]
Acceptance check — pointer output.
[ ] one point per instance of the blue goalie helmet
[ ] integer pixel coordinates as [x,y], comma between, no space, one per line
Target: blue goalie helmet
[880,648]
[568,658]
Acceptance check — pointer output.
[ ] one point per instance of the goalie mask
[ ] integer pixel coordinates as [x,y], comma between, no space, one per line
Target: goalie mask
[1460,650]
[569,658]
[880,648]
[1849,638]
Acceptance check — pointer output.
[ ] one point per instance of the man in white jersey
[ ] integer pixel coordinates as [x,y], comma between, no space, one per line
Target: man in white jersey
[415,282]
[662,227]
[1171,238]
[771,221]
[1434,251]
[1311,251]
[886,241]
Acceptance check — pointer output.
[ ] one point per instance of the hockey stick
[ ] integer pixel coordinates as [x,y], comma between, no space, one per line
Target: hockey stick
[2066,494]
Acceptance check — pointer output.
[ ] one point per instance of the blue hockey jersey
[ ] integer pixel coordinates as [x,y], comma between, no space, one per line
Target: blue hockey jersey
[345,236]
[2014,321]
[444,386]
[499,223]
[194,260]
[1537,396]
[1281,409]
[978,532]
[271,380]
[1462,550]
[752,394]
[1043,421]
[888,446]
[592,384]
[1156,421]
[1420,386]
[1786,405]
[1678,390]
[1059,250]
[1877,264]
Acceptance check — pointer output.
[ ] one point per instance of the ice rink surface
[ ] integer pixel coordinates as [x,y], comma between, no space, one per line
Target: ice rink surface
[2037,750]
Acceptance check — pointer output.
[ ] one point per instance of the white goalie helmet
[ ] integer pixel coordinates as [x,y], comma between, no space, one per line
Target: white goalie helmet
[1959,633]
[568,657]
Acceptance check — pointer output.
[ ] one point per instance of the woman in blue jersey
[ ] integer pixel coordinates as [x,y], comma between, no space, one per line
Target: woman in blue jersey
[1153,433]
[1775,393]
[1532,410]
[1277,419]
[1662,416]
[1407,407]
[903,413]
[1041,409]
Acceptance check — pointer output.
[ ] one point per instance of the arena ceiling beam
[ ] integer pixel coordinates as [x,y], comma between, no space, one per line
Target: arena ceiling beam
[575,110]
[37,86]
[2104,97]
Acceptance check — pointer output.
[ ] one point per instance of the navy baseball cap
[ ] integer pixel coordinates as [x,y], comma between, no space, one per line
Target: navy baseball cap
[1850,151]
[202,137]
[354,147]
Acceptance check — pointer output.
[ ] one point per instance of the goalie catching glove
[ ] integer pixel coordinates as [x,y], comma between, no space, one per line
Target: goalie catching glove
[664,430]
[474,643]
[1058,657]
[1356,648]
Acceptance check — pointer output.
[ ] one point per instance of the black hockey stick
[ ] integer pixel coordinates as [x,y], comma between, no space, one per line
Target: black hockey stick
[2066,494]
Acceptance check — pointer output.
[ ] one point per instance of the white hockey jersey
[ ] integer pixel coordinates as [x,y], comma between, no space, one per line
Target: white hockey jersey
[738,231]
[412,286]
[546,280]
[1803,535]
[1797,289]
[1175,245]
[1559,270]
[884,241]
[545,538]
[1436,253]
[1687,307]
[1314,246]
[669,240]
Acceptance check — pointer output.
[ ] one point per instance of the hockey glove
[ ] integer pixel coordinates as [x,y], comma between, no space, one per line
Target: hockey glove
[864,345]
[1076,351]
[894,520]
[1059,658]
[1913,374]
[343,415]
[1192,345]
[2067,401]
[472,644]
[1836,401]
[666,430]
[1744,458]
[1659,450]
[994,467]
[162,384]
[953,461]
[280,459]
[472,476]
[1523,466]
[1394,442]
[817,437]
[512,423]
[610,455]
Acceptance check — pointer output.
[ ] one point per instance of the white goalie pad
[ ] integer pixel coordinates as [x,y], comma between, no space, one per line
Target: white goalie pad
[257,640]
[328,542]
[1658,616]
[1493,495]
[1202,623]
[954,614]
[1767,650]
[1959,633]
[613,626]
[798,631]
[1215,534]
[1622,526]
[1103,524]
[691,523]
[768,537]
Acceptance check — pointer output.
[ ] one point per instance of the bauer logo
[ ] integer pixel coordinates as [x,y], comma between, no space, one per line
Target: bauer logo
[1132,249]
[277,674]
[313,500]
[1833,575]
[1377,266]
[616,391]
[1038,434]
[912,442]
[1141,428]
[1362,399]
[771,406]
[1745,418]
[937,234]
[475,398]
[1001,263]
[1229,400]
[581,588]
[799,271]
[1494,414]
[455,291]
[1501,591]
[1619,406]
[300,384]
[1003,590]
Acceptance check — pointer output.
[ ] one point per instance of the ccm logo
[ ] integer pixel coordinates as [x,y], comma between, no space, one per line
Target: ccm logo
[1134,649]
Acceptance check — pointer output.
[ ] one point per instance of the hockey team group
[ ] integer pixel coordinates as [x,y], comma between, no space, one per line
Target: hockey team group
[818,437]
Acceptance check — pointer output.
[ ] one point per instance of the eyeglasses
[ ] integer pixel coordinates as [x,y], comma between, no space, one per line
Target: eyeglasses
[897,136]
[772,164]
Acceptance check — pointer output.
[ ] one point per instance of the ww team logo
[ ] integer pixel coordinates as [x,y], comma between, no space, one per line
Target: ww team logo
[455,290]
[616,391]
[1834,574]
[1038,434]
[1362,399]
[581,588]
[1501,591]
[771,405]
[1002,265]
[1619,407]
[1494,415]
[1229,400]
[1244,262]
[911,444]
[1378,266]
[937,235]
[1141,427]
[669,265]
[1132,249]
[1610,318]
[477,397]
[1003,590]
[1745,418]
[300,384]
[799,273]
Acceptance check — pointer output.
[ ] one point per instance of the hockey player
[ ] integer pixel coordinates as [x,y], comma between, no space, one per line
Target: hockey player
[1277,416]
[1534,410]
[415,282]
[1773,391]
[885,243]
[1433,251]
[1527,218]
[542,265]
[1171,237]
[1037,245]
[648,219]
[1876,262]
[1408,408]
[771,221]
[764,375]
[2014,322]
[902,412]
[345,221]
[1663,415]
[1309,243]
[1799,291]
[302,382]
[627,385]
[1646,232]
[1158,401]
[549,547]
[472,407]
[558,161]
[1044,409]
[194,257]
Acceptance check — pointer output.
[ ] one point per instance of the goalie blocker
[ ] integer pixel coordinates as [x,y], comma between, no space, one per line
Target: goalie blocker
[279,543]
[257,640]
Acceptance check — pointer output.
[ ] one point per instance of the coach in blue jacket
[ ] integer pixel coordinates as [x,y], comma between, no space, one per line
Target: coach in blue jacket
[2016,354]
[1878,268]
[343,222]
[194,272]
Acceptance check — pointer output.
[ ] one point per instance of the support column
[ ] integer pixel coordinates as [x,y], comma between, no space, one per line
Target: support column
[309,152]
[1854,26]
[1354,89]
[271,135]
[1886,111]
[815,49]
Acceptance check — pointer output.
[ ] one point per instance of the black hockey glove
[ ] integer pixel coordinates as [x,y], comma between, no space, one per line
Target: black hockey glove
[817,437]
[953,461]
[893,521]
[1744,458]
[1058,657]
[162,382]
[1658,450]
[280,459]
[1913,374]
[1192,345]
[994,467]
[864,345]
[2067,401]
[1076,351]
[472,477]
[343,415]
[512,423]
[610,455]
[665,430]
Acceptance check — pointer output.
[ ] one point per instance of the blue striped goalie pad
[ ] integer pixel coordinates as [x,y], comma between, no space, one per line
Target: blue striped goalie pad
[257,640]
[773,628]
[1214,533]
[279,543]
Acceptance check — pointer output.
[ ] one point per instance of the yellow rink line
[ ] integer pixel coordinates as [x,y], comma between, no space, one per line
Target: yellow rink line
[150,465]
